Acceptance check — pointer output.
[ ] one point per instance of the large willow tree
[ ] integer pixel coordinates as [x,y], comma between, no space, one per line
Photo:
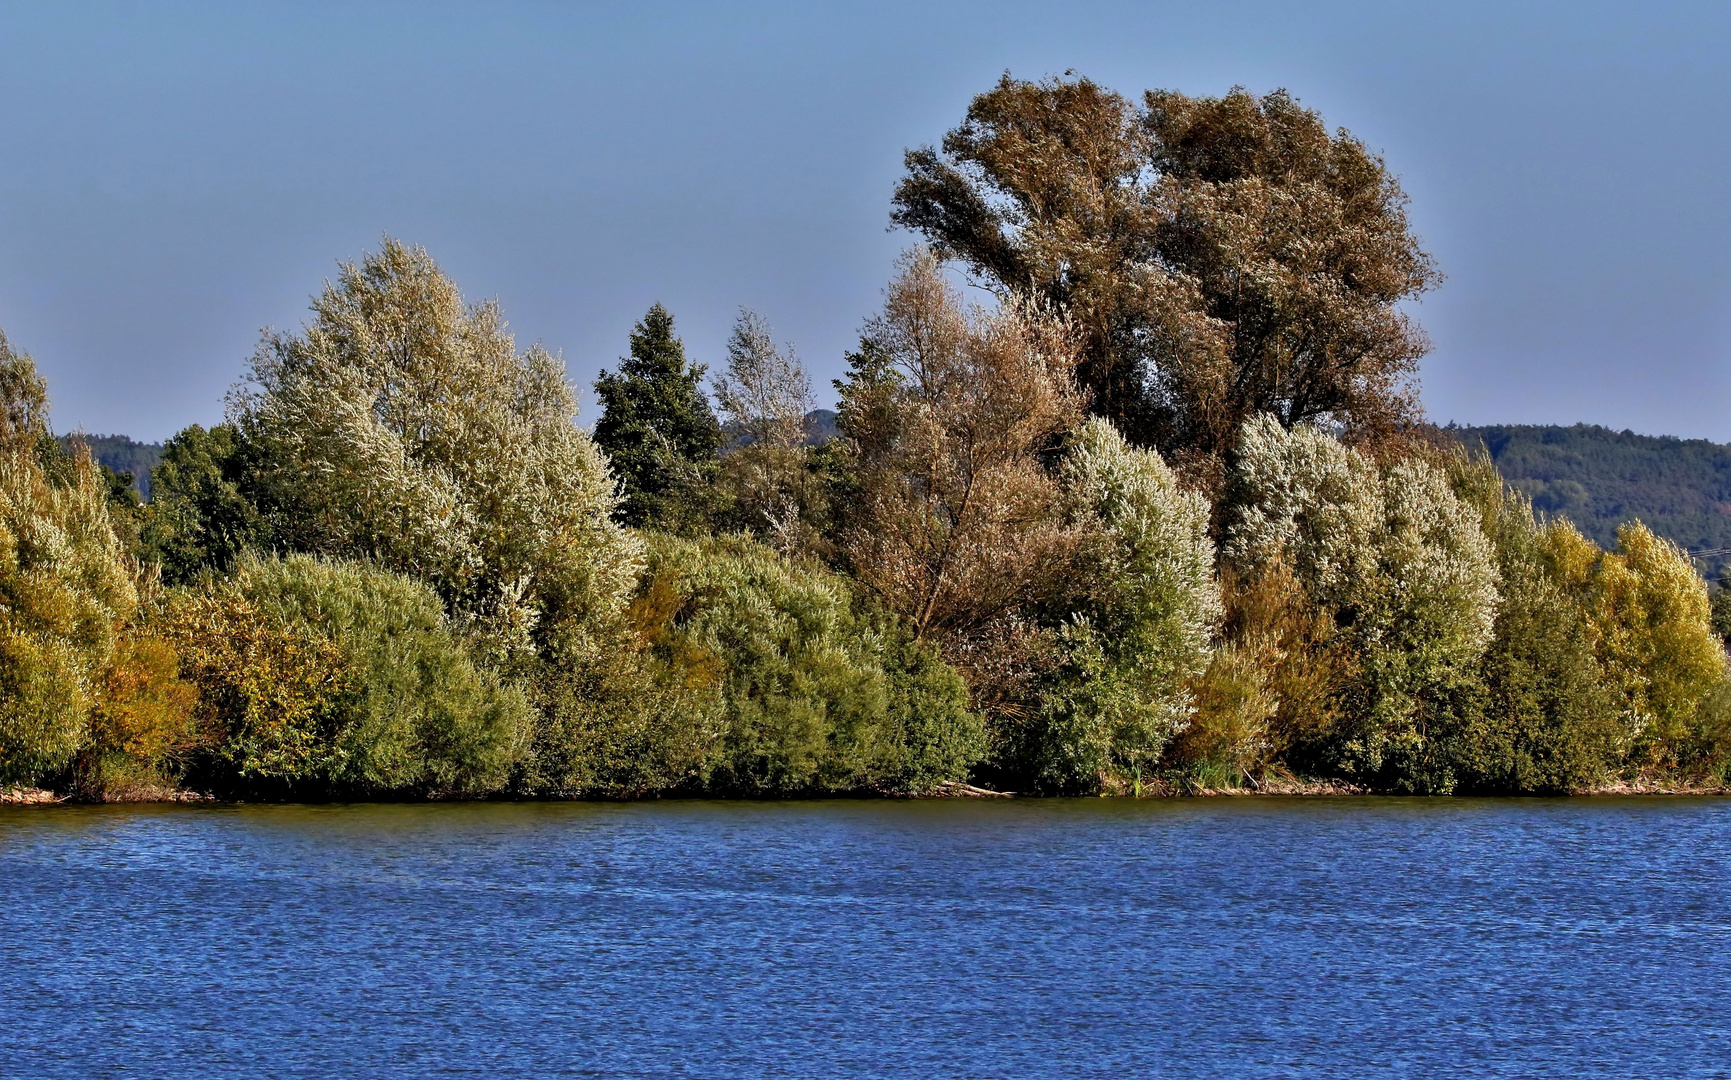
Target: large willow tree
[1224,257]
[402,426]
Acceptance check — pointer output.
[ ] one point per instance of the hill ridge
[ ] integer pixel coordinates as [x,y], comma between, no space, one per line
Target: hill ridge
[1600,478]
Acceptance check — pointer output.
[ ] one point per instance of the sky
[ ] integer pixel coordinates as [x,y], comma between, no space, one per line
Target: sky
[174,178]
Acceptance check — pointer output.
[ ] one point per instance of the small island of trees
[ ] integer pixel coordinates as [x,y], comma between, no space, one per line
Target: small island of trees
[1164,516]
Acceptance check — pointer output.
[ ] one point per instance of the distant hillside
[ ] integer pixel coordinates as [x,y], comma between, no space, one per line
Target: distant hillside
[820,426]
[819,429]
[122,455]
[1600,478]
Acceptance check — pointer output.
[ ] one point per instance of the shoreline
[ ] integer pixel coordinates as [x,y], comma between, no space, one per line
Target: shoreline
[952,790]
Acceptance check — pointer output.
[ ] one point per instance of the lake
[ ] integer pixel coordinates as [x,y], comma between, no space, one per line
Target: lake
[1027,938]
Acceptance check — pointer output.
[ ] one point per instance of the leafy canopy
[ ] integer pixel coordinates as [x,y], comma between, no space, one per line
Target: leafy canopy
[1222,257]
[403,427]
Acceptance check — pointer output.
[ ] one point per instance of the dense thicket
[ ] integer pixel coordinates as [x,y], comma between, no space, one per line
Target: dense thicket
[1398,564]
[1139,625]
[1152,520]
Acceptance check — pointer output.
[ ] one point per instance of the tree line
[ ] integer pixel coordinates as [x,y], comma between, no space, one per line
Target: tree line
[1163,514]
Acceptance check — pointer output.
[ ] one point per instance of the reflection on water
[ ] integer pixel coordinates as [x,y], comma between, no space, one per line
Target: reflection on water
[1325,937]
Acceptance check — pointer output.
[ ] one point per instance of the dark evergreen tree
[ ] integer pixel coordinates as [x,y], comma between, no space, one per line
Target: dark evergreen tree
[658,430]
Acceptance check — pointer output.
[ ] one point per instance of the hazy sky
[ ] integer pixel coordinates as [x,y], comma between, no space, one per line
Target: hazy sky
[175,177]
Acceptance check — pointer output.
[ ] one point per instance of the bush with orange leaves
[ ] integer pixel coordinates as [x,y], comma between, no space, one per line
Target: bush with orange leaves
[143,728]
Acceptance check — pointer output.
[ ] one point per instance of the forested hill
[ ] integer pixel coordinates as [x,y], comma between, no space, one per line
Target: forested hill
[1600,478]
[122,455]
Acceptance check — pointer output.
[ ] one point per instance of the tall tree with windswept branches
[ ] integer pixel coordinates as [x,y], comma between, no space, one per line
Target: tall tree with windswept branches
[1223,258]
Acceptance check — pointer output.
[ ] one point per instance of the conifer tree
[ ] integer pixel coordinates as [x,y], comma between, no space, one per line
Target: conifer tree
[658,430]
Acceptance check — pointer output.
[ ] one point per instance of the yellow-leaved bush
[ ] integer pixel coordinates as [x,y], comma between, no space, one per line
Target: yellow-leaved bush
[1650,625]
[84,693]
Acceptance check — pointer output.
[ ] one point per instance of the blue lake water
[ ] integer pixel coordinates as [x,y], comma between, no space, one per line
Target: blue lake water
[1063,938]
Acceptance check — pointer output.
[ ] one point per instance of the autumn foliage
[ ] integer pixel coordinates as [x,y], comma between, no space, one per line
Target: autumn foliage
[1161,516]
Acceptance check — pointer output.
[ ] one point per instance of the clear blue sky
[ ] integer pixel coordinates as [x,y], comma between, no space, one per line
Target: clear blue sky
[174,177]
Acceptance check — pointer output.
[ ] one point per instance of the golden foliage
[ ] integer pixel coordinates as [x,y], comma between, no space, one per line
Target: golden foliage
[268,689]
[144,725]
[1651,624]
[145,710]
[1275,683]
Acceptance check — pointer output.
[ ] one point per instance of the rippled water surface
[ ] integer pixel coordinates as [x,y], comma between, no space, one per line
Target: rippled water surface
[1369,937]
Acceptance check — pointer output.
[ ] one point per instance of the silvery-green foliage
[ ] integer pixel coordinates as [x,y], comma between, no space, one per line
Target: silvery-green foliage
[402,426]
[1147,618]
[1402,563]
[1439,564]
[1153,547]
[1305,497]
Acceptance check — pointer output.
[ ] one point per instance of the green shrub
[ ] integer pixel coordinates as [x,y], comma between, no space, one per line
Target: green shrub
[1140,629]
[1706,753]
[804,694]
[330,676]
[624,721]
[1541,719]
